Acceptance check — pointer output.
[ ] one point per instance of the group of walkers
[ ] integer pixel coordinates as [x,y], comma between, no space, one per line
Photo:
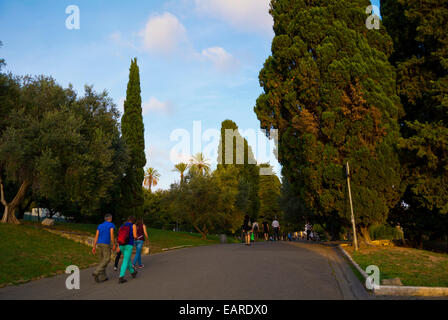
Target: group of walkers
[131,233]
[307,234]
[250,230]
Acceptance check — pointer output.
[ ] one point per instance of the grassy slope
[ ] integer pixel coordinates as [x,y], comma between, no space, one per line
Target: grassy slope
[28,252]
[159,239]
[413,266]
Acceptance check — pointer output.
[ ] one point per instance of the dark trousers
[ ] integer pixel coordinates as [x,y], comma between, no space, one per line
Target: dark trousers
[308,234]
[117,258]
[276,234]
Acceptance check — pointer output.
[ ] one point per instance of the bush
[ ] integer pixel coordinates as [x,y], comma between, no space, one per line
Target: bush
[385,232]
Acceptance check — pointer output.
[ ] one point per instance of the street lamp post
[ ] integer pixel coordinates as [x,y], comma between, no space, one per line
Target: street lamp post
[355,239]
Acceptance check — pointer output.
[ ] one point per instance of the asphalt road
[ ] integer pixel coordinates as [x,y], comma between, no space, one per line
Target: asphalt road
[227,271]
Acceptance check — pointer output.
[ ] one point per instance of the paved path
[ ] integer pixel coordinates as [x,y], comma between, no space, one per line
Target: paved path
[228,271]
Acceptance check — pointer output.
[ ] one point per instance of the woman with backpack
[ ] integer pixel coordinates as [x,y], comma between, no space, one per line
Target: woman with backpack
[118,252]
[139,240]
[126,236]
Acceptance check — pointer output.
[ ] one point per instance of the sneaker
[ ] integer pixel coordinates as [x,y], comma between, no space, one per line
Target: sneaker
[122,280]
[141,266]
[115,268]
[134,274]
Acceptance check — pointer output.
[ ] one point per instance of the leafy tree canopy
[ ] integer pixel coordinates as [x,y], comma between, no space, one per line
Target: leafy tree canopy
[329,89]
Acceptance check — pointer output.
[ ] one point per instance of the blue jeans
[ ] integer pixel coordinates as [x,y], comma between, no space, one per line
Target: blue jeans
[138,252]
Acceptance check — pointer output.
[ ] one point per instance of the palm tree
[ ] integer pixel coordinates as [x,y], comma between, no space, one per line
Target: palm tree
[151,178]
[181,167]
[199,163]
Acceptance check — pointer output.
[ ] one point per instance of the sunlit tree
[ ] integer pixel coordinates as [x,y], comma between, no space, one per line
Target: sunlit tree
[181,168]
[199,164]
[151,179]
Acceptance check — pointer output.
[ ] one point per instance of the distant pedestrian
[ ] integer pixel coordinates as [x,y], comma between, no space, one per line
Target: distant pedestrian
[103,239]
[255,230]
[247,228]
[308,230]
[276,226]
[266,230]
[126,236]
[140,240]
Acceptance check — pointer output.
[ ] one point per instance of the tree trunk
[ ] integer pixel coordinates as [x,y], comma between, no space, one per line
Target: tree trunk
[203,233]
[10,208]
[365,235]
[22,208]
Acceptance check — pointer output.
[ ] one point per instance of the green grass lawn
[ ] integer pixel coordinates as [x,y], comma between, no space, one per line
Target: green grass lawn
[159,239]
[28,252]
[414,267]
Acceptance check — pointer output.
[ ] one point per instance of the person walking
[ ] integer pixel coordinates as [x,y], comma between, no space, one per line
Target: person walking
[308,230]
[118,252]
[140,240]
[126,236]
[255,230]
[276,226]
[103,239]
[117,258]
[247,229]
[266,230]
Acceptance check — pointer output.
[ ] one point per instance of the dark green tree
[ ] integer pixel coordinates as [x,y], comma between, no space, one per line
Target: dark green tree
[292,206]
[63,148]
[196,202]
[269,195]
[241,156]
[233,199]
[329,89]
[132,130]
[420,38]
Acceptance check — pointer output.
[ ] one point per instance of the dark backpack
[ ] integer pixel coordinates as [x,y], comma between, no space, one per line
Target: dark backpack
[123,235]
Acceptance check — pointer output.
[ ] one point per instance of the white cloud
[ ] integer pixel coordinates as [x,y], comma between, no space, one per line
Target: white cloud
[154,104]
[245,15]
[163,33]
[222,60]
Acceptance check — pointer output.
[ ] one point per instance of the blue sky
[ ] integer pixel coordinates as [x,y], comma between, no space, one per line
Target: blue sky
[199,61]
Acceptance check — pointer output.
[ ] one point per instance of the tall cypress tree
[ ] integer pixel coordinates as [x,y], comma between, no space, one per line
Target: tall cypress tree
[243,159]
[132,129]
[420,38]
[269,194]
[329,89]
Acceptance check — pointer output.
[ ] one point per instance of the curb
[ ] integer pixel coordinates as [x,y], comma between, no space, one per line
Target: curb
[399,290]
[178,247]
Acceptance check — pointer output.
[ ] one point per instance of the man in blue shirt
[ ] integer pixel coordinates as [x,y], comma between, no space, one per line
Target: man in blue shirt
[103,239]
